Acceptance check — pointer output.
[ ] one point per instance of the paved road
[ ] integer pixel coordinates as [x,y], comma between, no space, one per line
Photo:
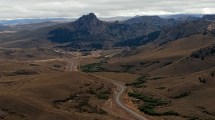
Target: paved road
[118,98]
[73,67]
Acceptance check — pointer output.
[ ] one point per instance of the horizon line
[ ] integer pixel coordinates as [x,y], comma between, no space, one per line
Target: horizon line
[162,15]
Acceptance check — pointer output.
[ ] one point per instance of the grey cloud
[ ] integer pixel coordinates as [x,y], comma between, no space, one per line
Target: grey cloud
[10,9]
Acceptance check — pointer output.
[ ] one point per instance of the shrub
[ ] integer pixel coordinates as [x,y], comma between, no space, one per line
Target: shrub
[142,63]
[95,67]
[148,111]
[202,53]
[101,111]
[202,79]
[23,72]
[171,113]
[161,88]
[212,74]
[103,95]
[182,95]
[138,82]
[99,93]
[149,103]
[127,67]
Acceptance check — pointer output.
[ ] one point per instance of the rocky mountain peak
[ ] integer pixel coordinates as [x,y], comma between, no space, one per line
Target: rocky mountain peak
[88,19]
[89,23]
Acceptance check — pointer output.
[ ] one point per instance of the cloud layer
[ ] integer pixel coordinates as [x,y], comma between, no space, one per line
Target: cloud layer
[10,9]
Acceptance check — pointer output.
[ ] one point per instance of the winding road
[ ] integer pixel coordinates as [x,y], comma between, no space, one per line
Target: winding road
[119,102]
[118,98]
[119,93]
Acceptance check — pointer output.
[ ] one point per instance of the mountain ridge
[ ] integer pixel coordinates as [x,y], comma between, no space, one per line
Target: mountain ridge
[88,31]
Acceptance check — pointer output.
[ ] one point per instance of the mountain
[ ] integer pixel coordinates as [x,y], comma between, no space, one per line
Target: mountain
[89,30]
[209,17]
[145,20]
[188,18]
[29,27]
[31,21]
[88,27]
[138,41]
[184,17]
[155,21]
[117,18]
[184,29]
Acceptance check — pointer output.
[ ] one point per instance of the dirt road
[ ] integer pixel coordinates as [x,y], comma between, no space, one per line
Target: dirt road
[118,98]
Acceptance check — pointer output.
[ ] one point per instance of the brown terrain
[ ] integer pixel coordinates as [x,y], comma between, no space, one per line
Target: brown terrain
[50,87]
[171,75]
[48,84]
[109,71]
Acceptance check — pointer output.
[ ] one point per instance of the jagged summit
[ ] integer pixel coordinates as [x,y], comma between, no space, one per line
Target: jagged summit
[90,16]
[88,19]
[89,23]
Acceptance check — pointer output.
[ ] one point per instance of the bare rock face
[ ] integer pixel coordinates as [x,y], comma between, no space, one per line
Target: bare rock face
[90,23]
[211,27]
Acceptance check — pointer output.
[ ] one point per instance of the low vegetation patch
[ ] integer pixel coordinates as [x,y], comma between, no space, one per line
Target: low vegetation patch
[30,56]
[100,93]
[212,74]
[127,67]
[95,67]
[139,82]
[148,64]
[157,78]
[167,63]
[150,103]
[8,112]
[171,113]
[202,53]
[142,63]
[203,79]
[83,101]
[161,88]
[80,102]
[182,95]
[22,72]
[34,64]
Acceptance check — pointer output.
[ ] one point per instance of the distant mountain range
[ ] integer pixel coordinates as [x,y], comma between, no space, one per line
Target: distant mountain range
[89,32]
[180,17]
[209,17]
[32,21]
[62,20]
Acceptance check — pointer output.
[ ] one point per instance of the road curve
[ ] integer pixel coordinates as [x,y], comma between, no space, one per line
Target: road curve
[118,97]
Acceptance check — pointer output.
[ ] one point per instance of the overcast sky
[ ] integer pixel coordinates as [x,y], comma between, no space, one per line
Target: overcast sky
[10,9]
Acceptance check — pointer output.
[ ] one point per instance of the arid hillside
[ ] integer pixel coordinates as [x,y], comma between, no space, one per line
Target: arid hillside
[167,81]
